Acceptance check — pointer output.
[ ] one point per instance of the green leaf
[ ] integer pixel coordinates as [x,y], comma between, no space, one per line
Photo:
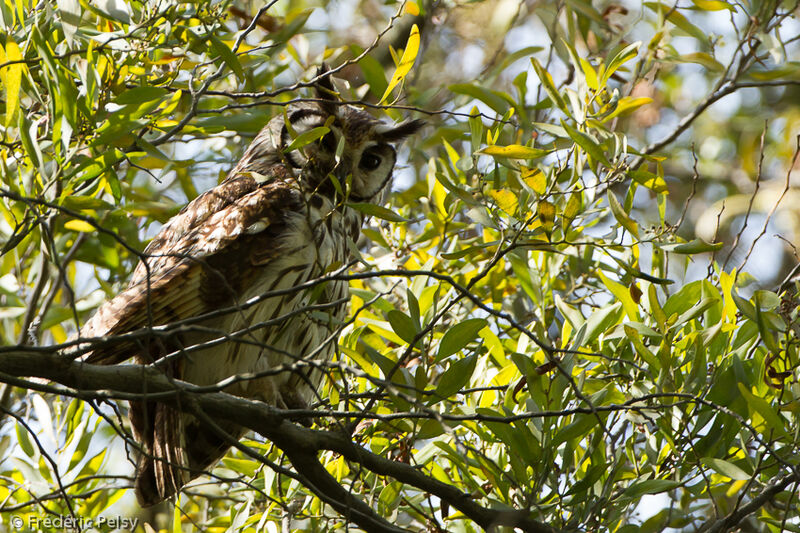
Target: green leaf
[389,498]
[242,466]
[548,85]
[678,19]
[764,409]
[635,272]
[455,377]
[458,336]
[24,440]
[377,211]
[372,70]
[578,429]
[588,144]
[695,311]
[406,61]
[745,307]
[701,58]
[725,468]
[767,333]
[494,99]
[600,321]
[307,137]
[140,95]
[622,217]
[625,54]
[572,315]
[684,299]
[79,203]
[227,56]
[402,324]
[649,486]
[696,246]
[644,352]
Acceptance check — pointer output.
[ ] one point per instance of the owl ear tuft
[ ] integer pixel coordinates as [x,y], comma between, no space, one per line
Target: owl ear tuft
[325,90]
[391,133]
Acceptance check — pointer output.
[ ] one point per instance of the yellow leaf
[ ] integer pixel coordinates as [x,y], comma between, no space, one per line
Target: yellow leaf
[412,8]
[547,214]
[735,487]
[79,225]
[507,200]
[516,151]
[535,179]
[3,71]
[590,74]
[406,61]
[626,105]
[726,281]
[572,209]
[622,294]
[713,5]
[12,78]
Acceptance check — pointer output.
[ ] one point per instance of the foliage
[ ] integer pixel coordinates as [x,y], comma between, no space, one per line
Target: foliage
[553,315]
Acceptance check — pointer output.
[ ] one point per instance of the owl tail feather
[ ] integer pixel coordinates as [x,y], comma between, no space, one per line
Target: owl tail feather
[182,449]
[162,471]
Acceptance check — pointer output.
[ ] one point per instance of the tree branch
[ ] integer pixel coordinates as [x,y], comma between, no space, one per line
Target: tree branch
[301,445]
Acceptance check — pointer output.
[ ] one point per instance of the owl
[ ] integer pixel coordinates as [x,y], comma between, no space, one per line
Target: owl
[281,217]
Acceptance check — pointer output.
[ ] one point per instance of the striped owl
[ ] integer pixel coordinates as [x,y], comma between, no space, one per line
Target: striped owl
[276,221]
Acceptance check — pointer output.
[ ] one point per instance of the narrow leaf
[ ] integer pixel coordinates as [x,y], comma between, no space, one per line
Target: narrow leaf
[493,99]
[459,336]
[307,137]
[227,56]
[547,214]
[535,179]
[515,151]
[696,246]
[650,180]
[588,144]
[79,225]
[548,85]
[12,79]
[456,376]
[622,217]
[725,468]
[506,200]
[406,61]
[626,105]
[377,211]
[402,324]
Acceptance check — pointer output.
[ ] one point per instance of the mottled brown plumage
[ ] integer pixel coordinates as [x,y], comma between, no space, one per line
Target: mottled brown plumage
[275,222]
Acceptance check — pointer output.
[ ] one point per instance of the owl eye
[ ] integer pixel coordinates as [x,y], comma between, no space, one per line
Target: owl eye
[370,161]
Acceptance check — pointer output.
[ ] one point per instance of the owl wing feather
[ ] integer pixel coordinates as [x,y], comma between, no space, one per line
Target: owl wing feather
[202,258]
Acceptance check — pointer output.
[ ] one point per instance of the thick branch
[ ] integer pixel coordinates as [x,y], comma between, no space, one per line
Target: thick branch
[301,445]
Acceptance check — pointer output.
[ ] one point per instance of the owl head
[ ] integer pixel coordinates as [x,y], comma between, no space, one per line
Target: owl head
[356,149]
